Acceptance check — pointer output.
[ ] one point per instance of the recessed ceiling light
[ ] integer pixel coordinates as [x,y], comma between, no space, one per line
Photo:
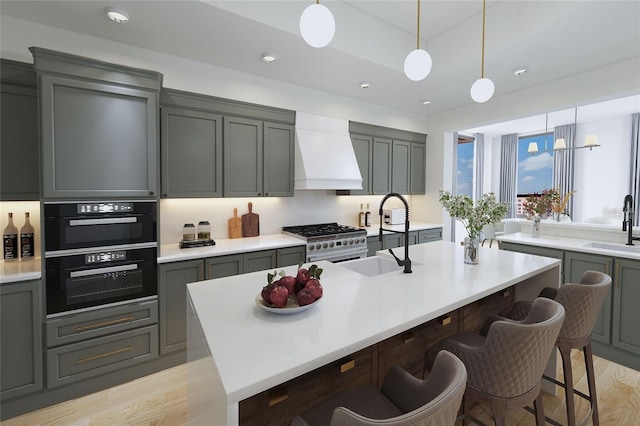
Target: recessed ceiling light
[425,103]
[117,15]
[365,85]
[269,59]
[520,71]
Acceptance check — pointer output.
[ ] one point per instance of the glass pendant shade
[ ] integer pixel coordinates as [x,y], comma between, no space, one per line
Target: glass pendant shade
[317,25]
[482,90]
[417,65]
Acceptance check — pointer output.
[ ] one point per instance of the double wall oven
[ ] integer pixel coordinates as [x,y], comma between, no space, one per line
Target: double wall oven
[99,253]
[330,241]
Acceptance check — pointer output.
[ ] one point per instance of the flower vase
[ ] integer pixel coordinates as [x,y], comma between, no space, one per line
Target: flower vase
[535,226]
[471,251]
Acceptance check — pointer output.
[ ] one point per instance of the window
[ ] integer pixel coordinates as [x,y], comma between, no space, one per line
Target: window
[535,172]
[464,167]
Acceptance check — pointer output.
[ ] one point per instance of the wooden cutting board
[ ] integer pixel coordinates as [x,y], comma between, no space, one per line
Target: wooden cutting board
[235,225]
[250,223]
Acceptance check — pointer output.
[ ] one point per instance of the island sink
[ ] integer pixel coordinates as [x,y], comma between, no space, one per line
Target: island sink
[613,246]
[373,266]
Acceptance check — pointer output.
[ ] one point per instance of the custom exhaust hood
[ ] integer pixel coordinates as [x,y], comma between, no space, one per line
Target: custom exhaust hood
[324,155]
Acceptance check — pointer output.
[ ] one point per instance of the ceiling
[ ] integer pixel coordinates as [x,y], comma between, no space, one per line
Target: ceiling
[553,39]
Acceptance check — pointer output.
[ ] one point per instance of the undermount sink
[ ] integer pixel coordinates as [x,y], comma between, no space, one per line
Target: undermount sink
[613,246]
[374,265]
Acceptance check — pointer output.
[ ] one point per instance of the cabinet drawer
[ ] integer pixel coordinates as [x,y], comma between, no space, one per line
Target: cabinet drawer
[277,406]
[79,361]
[407,349]
[91,324]
[475,314]
[428,235]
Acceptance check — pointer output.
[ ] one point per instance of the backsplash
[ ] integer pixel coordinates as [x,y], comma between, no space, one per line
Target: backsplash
[306,207]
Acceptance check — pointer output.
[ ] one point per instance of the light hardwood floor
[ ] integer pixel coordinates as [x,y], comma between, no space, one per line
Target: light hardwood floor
[161,399]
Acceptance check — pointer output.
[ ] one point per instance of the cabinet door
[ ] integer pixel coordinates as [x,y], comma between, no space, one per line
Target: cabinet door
[428,235]
[259,261]
[576,264]
[172,297]
[538,251]
[400,169]
[381,166]
[242,157]
[98,139]
[373,245]
[224,266]
[19,153]
[626,316]
[21,349]
[392,241]
[362,146]
[413,237]
[291,256]
[191,153]
[418,168]
[278,160]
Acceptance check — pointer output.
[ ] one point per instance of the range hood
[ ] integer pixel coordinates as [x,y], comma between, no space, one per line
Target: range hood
[324,155]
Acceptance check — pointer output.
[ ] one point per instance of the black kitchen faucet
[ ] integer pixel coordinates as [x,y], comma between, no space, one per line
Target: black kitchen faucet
[406,262]
[627,223]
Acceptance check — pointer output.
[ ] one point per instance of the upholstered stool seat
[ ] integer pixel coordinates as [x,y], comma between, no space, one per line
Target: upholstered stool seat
[403,399]
[582,303]
[505,362]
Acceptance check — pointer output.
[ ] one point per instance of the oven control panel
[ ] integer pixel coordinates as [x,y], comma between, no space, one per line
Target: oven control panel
[110,256]
[335,244]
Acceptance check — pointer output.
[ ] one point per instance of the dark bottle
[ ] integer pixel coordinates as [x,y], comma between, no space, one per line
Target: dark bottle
[10,240]
[26,238]
[367,217]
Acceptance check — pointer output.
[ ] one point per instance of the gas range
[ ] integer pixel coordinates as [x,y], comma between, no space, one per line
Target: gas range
[330,241]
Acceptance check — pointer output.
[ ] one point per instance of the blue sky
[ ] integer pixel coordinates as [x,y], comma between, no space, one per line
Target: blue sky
[535,172]
[464,176]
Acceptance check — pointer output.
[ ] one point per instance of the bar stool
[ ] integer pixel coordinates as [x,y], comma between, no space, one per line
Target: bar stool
[582,303]
[403,400]
[505,367]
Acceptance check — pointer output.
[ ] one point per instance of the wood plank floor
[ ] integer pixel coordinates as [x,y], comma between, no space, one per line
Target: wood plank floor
[161,399]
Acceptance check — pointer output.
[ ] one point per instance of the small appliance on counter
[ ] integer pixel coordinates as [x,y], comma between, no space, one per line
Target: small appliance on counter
[394,216]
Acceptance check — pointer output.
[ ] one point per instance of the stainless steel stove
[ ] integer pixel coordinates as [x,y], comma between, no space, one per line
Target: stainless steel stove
[330,241]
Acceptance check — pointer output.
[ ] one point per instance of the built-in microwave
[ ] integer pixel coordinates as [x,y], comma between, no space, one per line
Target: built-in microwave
[92,224]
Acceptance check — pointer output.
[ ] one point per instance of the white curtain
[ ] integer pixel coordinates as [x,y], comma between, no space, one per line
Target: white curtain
[634,185]
[508,171]
[479,160]
[563,170]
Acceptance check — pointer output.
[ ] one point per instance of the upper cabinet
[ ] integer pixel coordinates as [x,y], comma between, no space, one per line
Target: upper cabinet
[98,127]
[19,153]
[390,160]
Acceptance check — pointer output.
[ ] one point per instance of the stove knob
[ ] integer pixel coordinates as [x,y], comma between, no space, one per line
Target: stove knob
[363,241]
[311,246]
[318,246]
[350,242]
[325,245]
[331,244]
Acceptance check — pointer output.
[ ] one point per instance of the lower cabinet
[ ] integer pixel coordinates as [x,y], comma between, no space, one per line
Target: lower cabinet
[396,240]
[626,316]
[172,298]
[536,250]
[224,266]
[289,256]
[21,348]
[88,344]
[259,261]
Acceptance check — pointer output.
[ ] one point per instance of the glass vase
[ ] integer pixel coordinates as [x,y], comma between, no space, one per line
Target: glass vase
[535,226]
[471,251]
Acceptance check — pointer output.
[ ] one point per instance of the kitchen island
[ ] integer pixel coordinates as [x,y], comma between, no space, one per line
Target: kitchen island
[237,350]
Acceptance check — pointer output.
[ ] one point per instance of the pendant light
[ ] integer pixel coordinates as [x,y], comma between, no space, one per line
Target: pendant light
[483,88]
[417,64]
[591,141]
[317,25]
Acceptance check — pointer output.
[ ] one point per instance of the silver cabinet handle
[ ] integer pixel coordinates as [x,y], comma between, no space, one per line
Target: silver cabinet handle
[97,271]
[105,221]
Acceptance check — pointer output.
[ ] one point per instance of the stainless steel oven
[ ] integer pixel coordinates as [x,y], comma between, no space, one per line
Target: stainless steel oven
[98,253]
[330,241]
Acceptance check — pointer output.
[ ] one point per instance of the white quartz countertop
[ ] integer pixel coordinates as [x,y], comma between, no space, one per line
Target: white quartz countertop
[20,270]
[254,350]
[575,244]
[173,253]
[374,229]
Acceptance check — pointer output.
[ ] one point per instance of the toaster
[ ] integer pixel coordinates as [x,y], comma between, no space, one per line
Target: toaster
[394,216]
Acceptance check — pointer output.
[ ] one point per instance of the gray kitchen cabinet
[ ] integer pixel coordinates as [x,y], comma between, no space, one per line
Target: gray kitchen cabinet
[381,165]
[191,153]
[373,245]
[428,235]
[19,152]
[172,298]
[576,264]
[98,127]
[536,250]
[278,164]
[224,266]
[290,256]
[21,349]
[401,167]
[363,148]
[259,261]
[418,168]
[388,241]
[242,157]
[626,316]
